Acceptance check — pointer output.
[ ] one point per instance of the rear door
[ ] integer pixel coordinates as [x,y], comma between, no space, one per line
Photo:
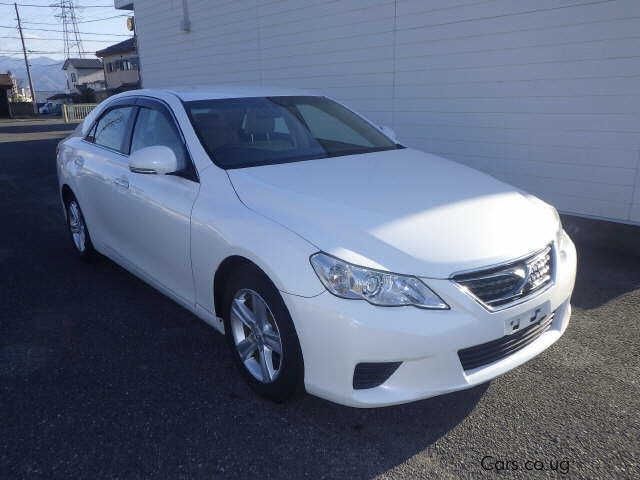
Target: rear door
[157,219]
[103,181]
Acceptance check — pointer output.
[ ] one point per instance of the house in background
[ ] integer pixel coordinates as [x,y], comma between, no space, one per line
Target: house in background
[6,85]
[60,99]
[85,72]
[542,94]
[121,70]
[15,101]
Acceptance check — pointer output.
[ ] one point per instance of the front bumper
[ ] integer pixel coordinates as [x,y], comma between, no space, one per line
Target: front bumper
[337,334]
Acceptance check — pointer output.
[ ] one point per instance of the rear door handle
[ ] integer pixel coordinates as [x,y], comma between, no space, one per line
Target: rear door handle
[121,182]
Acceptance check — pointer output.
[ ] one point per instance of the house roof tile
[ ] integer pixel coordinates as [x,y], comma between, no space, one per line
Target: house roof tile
[128,45]
[83,63]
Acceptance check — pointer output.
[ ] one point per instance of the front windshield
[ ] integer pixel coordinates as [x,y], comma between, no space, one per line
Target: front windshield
[246,132]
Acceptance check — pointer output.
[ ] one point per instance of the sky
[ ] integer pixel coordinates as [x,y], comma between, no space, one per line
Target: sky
[43,31]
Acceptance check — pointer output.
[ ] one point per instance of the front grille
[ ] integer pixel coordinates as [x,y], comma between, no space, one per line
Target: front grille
[370,375]
[499,286]
[486,353]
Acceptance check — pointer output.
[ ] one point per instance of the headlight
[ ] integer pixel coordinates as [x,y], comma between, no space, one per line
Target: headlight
[560,233]
[561,239]
[556,215]
[378,288]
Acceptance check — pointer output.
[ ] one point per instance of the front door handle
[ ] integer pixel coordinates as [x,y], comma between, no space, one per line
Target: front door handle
[121,182]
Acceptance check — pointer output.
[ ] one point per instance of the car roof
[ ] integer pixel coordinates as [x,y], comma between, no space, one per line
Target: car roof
[226,91]
[206,92]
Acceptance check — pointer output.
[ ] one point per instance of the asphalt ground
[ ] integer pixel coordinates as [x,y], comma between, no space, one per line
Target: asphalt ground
[103,377]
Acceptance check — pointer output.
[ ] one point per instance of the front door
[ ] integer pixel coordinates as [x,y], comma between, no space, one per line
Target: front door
[157,219]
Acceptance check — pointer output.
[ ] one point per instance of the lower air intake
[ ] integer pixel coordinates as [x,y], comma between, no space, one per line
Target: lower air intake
[486,353]
[370,375]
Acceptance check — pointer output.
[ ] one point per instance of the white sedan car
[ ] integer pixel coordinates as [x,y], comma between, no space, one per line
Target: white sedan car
[332,257]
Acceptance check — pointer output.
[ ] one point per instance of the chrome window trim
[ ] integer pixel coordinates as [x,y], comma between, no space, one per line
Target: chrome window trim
[103,147]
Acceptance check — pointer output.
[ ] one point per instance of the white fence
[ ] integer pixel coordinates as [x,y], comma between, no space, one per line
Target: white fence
[76,112]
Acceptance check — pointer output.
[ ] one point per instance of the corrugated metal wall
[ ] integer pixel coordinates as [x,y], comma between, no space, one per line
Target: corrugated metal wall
[544,94]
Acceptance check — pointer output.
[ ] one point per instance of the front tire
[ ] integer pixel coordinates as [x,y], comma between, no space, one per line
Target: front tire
[261,335]
[78,231]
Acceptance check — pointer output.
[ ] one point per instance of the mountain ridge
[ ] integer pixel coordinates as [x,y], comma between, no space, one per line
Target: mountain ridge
[46,72]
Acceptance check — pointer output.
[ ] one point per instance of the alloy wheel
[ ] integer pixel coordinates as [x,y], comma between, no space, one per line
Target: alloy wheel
[77,226]
[256,335]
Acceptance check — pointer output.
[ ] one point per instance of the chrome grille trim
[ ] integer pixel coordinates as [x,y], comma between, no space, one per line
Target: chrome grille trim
[504,285]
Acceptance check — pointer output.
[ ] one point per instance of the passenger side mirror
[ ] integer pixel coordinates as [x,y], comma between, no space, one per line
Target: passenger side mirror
[157,159]
[388,131]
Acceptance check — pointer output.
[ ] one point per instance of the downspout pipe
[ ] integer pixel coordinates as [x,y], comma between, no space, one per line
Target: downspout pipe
[185,24]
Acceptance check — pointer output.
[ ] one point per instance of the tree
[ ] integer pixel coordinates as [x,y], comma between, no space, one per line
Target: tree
[85,95]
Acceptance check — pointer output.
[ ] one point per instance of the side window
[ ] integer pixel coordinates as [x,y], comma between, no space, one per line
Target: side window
[154,128]
[323,126]
[111,129]
[280,126]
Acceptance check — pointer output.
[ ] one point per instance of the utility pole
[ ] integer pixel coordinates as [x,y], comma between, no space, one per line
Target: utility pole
[26,63]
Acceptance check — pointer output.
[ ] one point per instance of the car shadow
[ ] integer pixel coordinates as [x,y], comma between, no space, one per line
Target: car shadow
[105,377]
[130,384]
[608,256]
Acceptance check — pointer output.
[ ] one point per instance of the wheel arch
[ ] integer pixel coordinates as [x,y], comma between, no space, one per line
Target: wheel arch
[66,193]
[224,270]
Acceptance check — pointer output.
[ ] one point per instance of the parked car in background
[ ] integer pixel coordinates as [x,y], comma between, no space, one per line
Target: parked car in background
[333,257]
[45,108]
[50,108]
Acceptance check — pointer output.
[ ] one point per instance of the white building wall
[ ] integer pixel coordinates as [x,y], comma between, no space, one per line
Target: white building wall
[544,94]
[93,78]
[117,77]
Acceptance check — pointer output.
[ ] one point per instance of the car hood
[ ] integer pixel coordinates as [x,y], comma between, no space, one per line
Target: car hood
[403,211]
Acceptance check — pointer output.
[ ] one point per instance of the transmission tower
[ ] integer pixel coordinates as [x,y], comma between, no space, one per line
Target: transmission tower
[66,13]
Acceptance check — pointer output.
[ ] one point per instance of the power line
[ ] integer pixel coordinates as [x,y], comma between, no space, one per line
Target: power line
[49,6]
[38,52]
[52,38]
[91,20]
[62,31]
[79,21]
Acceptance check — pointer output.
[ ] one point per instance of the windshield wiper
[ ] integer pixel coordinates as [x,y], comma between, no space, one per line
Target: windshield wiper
[359,151]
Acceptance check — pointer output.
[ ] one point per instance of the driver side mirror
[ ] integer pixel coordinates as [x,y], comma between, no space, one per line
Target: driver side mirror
[157,159]
[388,131]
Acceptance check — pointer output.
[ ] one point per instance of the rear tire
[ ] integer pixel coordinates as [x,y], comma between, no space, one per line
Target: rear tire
[78,231]
[261,335]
